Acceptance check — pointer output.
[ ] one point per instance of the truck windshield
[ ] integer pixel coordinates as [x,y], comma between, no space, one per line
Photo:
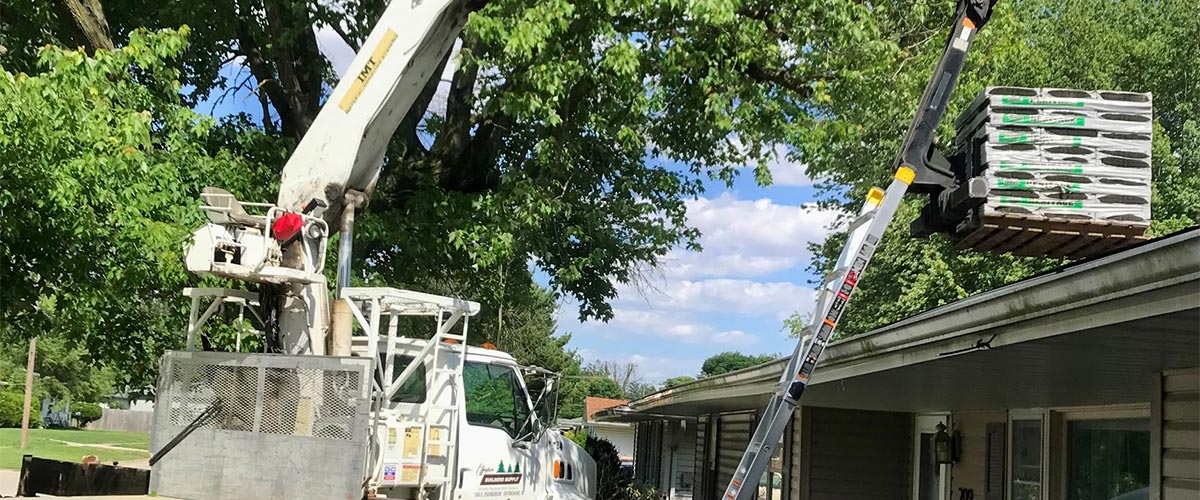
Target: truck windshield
[494,397]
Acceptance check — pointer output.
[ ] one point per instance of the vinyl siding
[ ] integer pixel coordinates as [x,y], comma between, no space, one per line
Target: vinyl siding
[971,470]
[682,443]
[1180,422]
[856,455]
[735,430]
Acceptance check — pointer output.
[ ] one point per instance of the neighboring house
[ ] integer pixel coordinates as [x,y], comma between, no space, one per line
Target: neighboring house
[131,403]
[621,435]
[1082,383]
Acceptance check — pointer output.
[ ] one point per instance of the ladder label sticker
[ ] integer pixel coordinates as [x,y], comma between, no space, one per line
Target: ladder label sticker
[368,71]
[389,472]
[392,436]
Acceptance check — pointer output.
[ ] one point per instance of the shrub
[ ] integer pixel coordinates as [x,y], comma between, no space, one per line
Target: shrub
[578,436]
[10,410]
[612,483]
[86,413]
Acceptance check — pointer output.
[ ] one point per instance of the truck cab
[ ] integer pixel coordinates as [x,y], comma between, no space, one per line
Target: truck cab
[458,421]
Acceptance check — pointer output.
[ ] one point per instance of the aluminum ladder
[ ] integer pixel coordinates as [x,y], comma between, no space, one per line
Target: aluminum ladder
[921,169]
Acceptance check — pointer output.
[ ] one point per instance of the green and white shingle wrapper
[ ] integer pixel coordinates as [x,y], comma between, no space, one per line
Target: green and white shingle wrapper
[1062,153]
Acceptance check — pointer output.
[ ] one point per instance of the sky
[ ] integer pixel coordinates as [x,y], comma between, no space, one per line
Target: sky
[733,296]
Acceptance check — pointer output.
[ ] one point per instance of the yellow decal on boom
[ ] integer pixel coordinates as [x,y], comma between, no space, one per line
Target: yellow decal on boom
[368,71]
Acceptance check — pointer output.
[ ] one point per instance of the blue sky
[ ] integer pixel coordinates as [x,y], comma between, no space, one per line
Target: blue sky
[733,296]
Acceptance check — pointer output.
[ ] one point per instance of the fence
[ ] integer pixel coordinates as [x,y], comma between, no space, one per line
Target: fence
[124,420]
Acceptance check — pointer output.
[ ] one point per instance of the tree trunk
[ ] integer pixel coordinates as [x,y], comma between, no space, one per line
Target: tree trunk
[89,18]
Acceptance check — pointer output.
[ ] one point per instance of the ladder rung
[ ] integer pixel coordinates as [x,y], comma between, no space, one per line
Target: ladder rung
[860,220]
[453,336]
[834,276]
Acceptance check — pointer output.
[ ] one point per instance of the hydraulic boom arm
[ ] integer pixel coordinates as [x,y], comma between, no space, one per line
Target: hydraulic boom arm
[920,169]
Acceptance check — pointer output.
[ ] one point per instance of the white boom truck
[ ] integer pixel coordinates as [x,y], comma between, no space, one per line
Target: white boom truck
[409,418]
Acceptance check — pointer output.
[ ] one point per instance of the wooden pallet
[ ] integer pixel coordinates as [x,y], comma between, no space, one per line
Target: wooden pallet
[1043,237]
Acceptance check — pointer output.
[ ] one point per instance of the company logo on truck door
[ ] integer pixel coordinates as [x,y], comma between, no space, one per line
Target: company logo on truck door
[505,474]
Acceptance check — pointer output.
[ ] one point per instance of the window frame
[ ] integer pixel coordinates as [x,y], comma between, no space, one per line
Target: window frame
[1039,414]
[1059,447]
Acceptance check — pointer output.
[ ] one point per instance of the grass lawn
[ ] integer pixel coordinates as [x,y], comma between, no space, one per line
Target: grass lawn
[52,443]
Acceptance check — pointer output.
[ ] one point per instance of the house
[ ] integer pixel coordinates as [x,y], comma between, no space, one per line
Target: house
[620,434]
[1082,383]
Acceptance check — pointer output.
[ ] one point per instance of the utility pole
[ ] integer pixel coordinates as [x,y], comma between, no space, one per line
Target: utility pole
[28,393]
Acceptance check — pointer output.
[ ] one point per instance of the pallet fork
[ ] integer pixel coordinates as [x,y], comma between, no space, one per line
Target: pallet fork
[920,169]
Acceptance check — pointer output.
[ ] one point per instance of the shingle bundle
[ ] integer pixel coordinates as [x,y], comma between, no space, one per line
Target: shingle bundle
[1075,155]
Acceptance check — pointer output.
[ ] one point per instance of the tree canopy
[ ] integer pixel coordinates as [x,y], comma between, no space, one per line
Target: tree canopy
[570,137]
[730,361]
[1122,45]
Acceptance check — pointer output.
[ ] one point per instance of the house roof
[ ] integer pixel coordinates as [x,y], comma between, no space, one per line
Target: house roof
[1156,283]
[592,405]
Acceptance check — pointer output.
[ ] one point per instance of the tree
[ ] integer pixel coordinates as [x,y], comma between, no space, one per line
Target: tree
[65,371]
[578,386]
[624,374]
[103,166]
[1122,45]
[678,381]
[730,361]
[554,112]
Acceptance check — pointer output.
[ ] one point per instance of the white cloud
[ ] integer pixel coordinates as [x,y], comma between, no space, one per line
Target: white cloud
[785,167]
[746,297]
[734,336]
[787,170]
[748,238]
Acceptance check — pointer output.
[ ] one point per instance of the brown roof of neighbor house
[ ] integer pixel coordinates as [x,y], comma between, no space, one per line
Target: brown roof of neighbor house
[592,405]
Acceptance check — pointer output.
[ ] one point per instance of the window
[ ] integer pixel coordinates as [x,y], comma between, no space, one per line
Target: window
[1107,459]
[413,389]
[495,398]
[1026,459]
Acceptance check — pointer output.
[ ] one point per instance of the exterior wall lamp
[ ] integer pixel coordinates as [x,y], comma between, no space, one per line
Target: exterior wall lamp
[945,446]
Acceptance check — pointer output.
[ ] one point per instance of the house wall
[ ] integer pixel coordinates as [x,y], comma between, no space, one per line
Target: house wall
[972,468]
[620,435]
[1178,414]
[733,435]
[854,454]
[678,468]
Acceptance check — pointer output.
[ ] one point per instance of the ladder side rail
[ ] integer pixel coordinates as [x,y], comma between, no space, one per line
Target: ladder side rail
[435,364]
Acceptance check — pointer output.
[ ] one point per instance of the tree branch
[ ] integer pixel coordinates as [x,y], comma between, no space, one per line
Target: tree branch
[798,86]
[89,18]
[407,131]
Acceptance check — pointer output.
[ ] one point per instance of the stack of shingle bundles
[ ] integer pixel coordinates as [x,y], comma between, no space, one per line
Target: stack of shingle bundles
[1078,158]
[1072,154]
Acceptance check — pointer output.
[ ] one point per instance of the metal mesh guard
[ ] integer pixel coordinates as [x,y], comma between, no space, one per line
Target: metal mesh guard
[254,393]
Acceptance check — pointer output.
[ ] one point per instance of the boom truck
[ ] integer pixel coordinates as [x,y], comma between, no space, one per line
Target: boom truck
[339,405]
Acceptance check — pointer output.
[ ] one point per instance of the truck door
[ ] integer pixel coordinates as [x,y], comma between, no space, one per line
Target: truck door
[497,460]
